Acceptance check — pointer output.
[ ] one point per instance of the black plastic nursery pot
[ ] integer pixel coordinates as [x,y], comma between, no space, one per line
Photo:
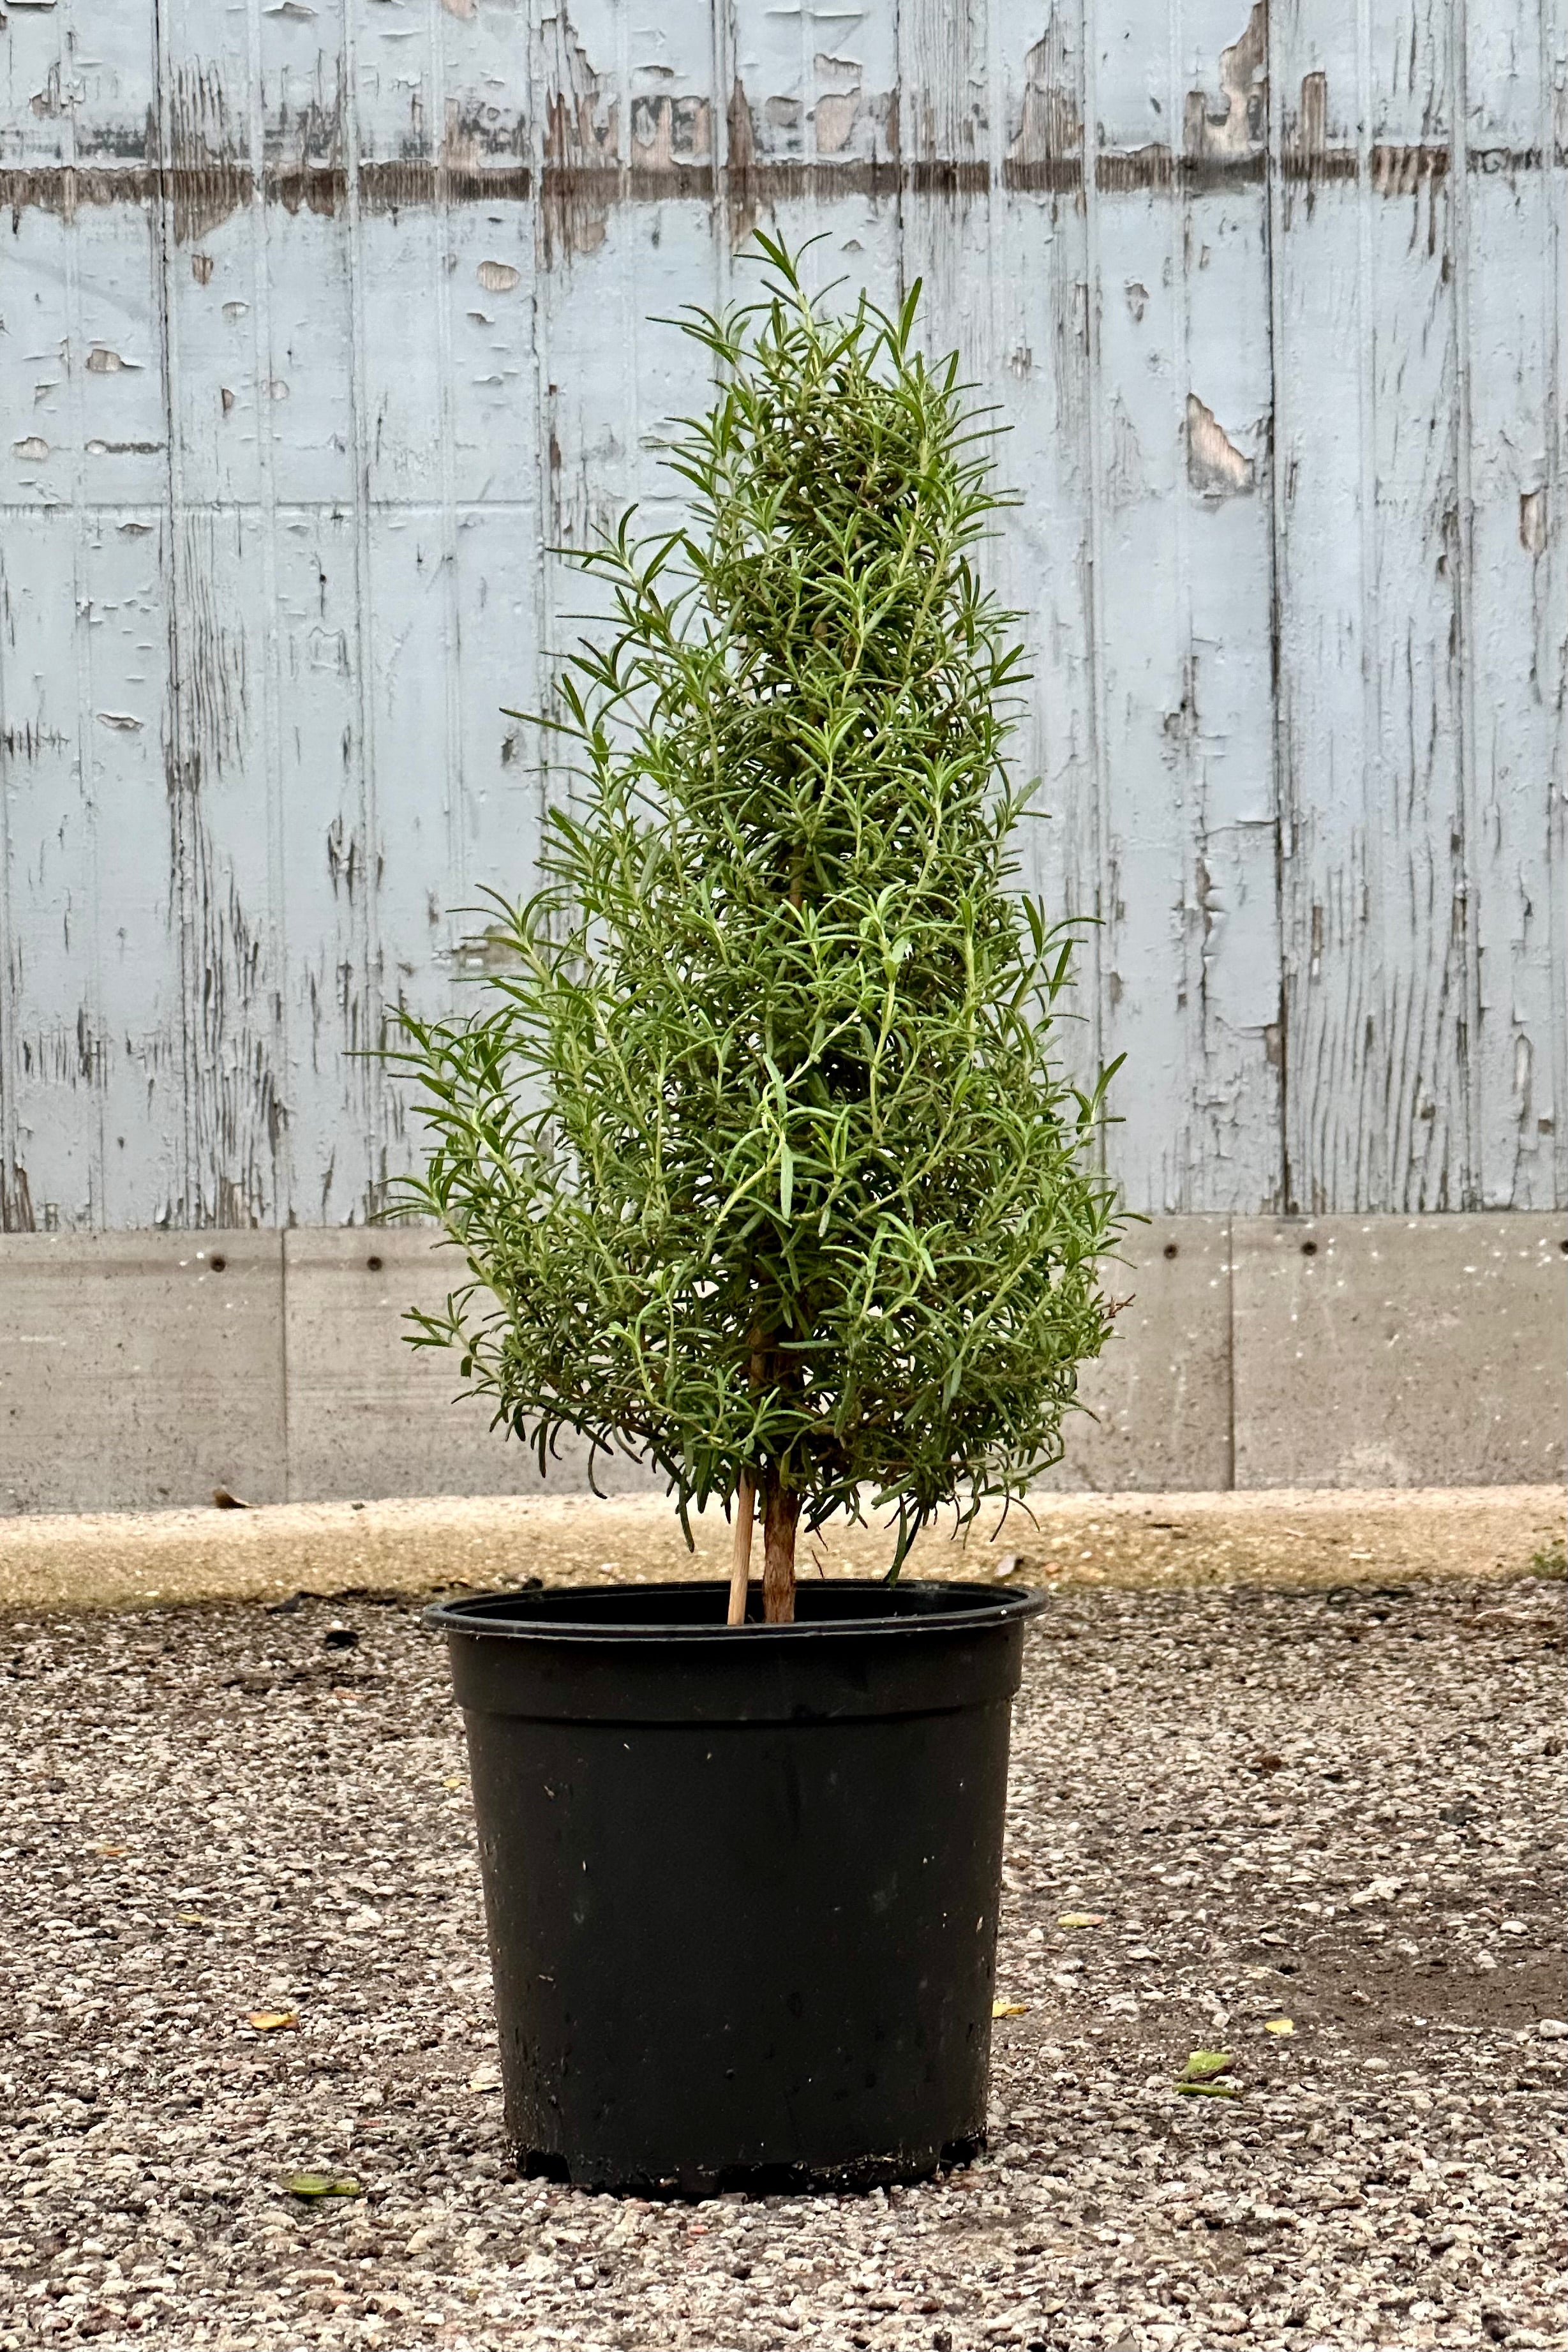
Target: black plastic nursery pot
[741,1883]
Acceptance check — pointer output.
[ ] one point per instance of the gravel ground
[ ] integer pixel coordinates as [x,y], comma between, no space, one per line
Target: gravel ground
[1336,1807]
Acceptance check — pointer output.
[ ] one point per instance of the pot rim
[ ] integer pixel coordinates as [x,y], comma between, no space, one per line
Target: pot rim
[478,1616]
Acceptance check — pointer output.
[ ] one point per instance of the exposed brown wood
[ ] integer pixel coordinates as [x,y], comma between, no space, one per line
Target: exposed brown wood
[781,1518]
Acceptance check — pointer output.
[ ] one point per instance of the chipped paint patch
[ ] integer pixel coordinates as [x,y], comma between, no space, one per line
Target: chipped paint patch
[1046,148]
[1235,128]
[582,146]
[1216,467]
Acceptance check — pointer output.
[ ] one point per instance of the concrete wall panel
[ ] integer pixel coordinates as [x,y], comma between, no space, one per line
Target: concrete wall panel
[1420,1351]
[144,1370]
[1160,1394]
[369,1415]
[140,1370]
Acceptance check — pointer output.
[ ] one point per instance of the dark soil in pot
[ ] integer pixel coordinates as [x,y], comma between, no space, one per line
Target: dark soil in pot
[741,1884]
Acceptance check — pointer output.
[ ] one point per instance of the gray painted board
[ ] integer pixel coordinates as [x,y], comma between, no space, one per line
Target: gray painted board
[319,329]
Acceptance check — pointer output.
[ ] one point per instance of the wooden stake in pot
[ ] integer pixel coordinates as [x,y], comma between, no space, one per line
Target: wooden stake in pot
[740,1561]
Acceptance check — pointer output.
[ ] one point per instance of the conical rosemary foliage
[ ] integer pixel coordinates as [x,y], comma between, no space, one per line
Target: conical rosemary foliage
[757,1157]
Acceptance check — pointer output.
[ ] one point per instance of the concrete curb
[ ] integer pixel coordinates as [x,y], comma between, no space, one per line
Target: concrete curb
[1287,1537]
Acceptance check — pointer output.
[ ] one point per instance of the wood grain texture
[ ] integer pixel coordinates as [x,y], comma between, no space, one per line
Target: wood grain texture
[1513,321]
[1050,553]
[321,329]
[1190,957]
[1419,404]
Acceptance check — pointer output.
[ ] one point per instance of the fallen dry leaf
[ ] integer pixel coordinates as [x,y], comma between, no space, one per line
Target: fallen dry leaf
[312,2185]
[273,2020]
[1082,1920]
[1009,2009]
[1278,2025]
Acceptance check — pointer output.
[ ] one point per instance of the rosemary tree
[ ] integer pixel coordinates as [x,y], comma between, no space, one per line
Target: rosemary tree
[756,1154]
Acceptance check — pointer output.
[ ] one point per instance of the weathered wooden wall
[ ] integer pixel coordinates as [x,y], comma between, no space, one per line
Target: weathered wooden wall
[321,319]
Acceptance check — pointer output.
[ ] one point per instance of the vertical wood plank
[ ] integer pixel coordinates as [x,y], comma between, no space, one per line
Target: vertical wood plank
[1147,901]
[946,109]
[51,1148]
[222,740]
[1514,649]
[814,139]
[88,1051]
[1323,486]
[1554,85]
[1381,950]
[429,133]
[627,151]
[1189,954]
[1042,378]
